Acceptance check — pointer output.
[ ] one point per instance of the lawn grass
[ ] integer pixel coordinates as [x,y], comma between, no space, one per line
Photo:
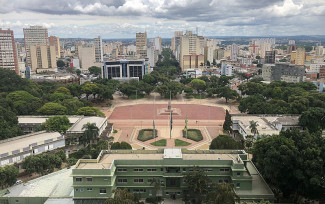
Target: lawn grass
[193,134]
[180,143]
[160,143]
[146,134]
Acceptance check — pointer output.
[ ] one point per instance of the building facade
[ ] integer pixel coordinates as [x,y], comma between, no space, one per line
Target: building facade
[55,41]
[8,53]
[34,35]
[138,170]
[98,43]
[192,61]
[283,72]
[300,56]
[189,45]
[141,44]
[123,70]
[270,57]
[42,58]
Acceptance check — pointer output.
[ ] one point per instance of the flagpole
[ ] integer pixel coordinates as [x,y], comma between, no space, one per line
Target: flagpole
[171,125]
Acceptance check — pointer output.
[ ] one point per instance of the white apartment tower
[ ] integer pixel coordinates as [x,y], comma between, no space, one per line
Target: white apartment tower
[98,43]
[34,35]
[8,53]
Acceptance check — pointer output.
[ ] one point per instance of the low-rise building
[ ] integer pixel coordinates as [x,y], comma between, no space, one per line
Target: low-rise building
[283,72]
[267,124]
[123,70]
[95,179]
[14,150]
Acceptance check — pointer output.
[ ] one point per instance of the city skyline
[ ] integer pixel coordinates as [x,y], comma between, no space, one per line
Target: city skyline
[123,18]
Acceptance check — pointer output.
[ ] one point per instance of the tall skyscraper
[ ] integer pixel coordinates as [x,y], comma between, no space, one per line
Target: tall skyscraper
[42,58]
[141,44]
[234,52]
[8,53]
[98,43]
[176,43]
[158,44]
[55,41]
[270,57]
[34,35]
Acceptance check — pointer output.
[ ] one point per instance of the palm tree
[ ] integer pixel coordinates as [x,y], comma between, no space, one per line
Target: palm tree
[253,126]
[91,133]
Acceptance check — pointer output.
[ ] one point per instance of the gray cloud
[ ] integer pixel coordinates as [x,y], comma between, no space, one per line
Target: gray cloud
[162,17]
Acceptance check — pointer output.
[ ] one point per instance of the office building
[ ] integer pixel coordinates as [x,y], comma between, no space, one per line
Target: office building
[291,48]
[34,35]
[141,44]
[86,55]
[98,43]
[55,41]
[8,52]
[152,55]
[300,56]
[283,72]
[94,180]
[291,42]
[227,69]
[157,44]
[319,51]
[265,47]
[270,57]
[234,52]
[176,44]
[189,45]
[123,70]
[219,54]
[14,150]
[42,58]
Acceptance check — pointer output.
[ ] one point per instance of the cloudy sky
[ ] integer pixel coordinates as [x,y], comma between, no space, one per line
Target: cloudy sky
[123,18]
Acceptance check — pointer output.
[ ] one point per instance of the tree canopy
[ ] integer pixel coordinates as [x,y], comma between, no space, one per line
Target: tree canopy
[57,124]
[225,142]
[94,70]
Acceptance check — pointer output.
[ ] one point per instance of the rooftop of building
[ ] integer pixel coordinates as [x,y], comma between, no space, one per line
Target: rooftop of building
[25,141]
[106,158]
[54,185]
[77,127]
[38,119]
[266,123]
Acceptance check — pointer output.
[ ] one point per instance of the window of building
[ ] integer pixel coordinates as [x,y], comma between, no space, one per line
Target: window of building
[208,170]
[105,179]
[237,185]
[151,170]
[220,181]
[102,190]
[78,179]
[81,190]
[224,170]
[226,181]
[138,180]
[122,180]
[138,170]
[121,170]
[150,180]
[178,193]
[89,189]
[184,169]
[77,189]
[238,173]
[89,179]
[161,169]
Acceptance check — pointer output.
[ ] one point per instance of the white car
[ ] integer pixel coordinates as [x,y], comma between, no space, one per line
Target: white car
[18,182]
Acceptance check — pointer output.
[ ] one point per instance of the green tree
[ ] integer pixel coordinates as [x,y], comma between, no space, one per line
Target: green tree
[227,93]
[78,72]
[57,124]
[145,87]
[227,125]
[58,97]
[225,142]
[8,124]
[122,196]
[125,145]
[222,194]
[75,90]
[23,102]
[52,109]
[214,63]
[128,89]
[91,132]
[208,63]
[105,92]
[88,89]
[11,173]
[198,84]
[198,184]
[60,63]
[313,119]
[90,111]
[63,90]
[149,79]
[72,105]
[94,70]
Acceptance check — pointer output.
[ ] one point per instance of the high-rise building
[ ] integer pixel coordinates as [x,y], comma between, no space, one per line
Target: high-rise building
[86,55]
[141,44]
[292,42]
[234,52]
[34,35]
[55,41]
[283,72]
[189,45]
[176,44]
[192,61]
[158,44]
[123,70]
[42,58]
[291,48]
[98,43]
[319,51]
[8,53]
[270,57]
[264,48]
[301,56]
